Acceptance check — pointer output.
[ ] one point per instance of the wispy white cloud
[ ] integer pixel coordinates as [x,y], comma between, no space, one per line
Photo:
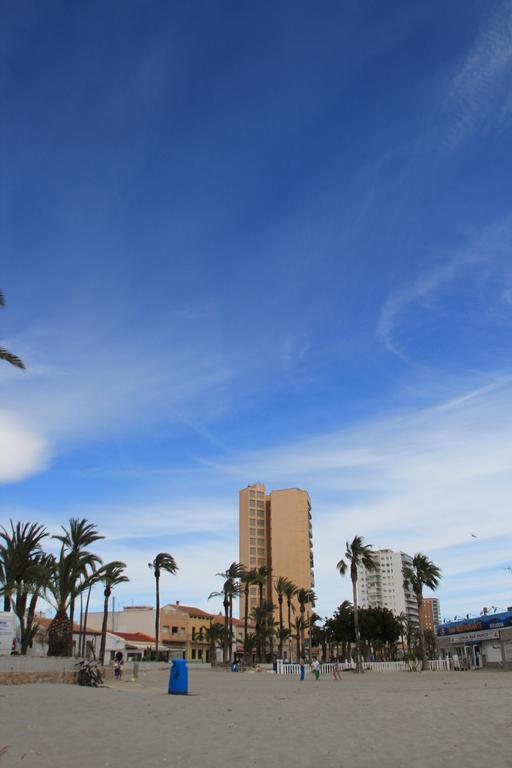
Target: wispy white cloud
[486,248]
[487,66]
[418,291]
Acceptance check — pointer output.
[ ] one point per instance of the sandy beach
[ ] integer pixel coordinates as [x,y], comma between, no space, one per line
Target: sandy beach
[229,720]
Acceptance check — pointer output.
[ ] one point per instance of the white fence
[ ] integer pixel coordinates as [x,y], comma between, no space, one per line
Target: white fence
[437,665]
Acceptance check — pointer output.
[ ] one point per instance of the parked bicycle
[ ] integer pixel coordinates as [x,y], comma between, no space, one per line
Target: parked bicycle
[89,674]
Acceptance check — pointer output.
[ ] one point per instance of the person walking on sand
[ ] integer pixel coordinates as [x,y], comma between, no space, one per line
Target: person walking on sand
[315,668]
[302,668]
[336,670]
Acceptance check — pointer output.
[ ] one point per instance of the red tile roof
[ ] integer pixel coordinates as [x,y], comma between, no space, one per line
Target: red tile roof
[134,637]
[44,622]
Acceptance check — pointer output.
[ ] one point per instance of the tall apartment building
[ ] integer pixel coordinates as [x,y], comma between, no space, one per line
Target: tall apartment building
[384,586]
[275,530]
[430,614]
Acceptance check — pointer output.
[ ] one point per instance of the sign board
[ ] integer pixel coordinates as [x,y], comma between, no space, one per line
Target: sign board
[9,630]
[488,622]
[472,637]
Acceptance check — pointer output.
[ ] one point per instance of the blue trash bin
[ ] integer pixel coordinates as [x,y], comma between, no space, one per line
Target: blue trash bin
[178,679]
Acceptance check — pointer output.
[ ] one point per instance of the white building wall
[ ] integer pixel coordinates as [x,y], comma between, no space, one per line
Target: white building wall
[383,587]
[127,620]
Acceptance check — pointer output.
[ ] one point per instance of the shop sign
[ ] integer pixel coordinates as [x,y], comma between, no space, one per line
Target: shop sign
[479,623]
[471,637]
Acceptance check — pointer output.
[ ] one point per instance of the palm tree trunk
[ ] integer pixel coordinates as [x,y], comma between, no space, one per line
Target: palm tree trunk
[104,628]
[280,599]
[71,620]
[246,620]
[19,609]
[225,653]
[299,655]
[58,633]
[421,635]
[27,640]
[359,666]
[302,610]
[261,627]
[86,613]
[81,624]
[157,617]
[230,628]
[289,602]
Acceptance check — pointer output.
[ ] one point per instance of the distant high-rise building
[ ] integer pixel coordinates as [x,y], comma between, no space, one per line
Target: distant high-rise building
[384,586]
[275,531]
[430,614]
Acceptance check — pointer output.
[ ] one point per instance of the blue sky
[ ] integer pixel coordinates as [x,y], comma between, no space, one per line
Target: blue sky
[260,242]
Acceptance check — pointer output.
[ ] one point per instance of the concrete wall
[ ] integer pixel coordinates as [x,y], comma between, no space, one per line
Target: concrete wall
[20,670]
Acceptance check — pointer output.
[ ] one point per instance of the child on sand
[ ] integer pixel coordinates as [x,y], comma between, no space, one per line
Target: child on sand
[315,668]
[336,670]
[118,665]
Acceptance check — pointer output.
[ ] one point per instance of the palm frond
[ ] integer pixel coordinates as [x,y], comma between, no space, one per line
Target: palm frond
[9,357]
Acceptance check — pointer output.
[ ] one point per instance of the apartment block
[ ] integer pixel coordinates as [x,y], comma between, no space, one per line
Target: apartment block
[384,586]
[276,531]
[430,614]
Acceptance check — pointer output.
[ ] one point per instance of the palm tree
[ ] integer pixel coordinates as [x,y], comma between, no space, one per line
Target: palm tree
[36,585]
[300,625]
[318,634]
[262,575]
[249,644]
[421,573]
[214,635]
[224,593]
[64,584]
[248,580]
[229,590]
[75,540]
[23,572]
[92,578]
[162,562]
[281,586]
[264,621]
[304,597]
[110,575]
[4,353]
[233,574]
[290,592]
[359,555]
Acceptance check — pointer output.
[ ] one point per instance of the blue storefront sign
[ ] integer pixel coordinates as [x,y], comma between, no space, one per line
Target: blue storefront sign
[477,624]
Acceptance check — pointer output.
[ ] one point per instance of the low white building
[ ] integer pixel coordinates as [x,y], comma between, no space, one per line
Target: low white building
[480,641]
[384,586]
[132,645]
